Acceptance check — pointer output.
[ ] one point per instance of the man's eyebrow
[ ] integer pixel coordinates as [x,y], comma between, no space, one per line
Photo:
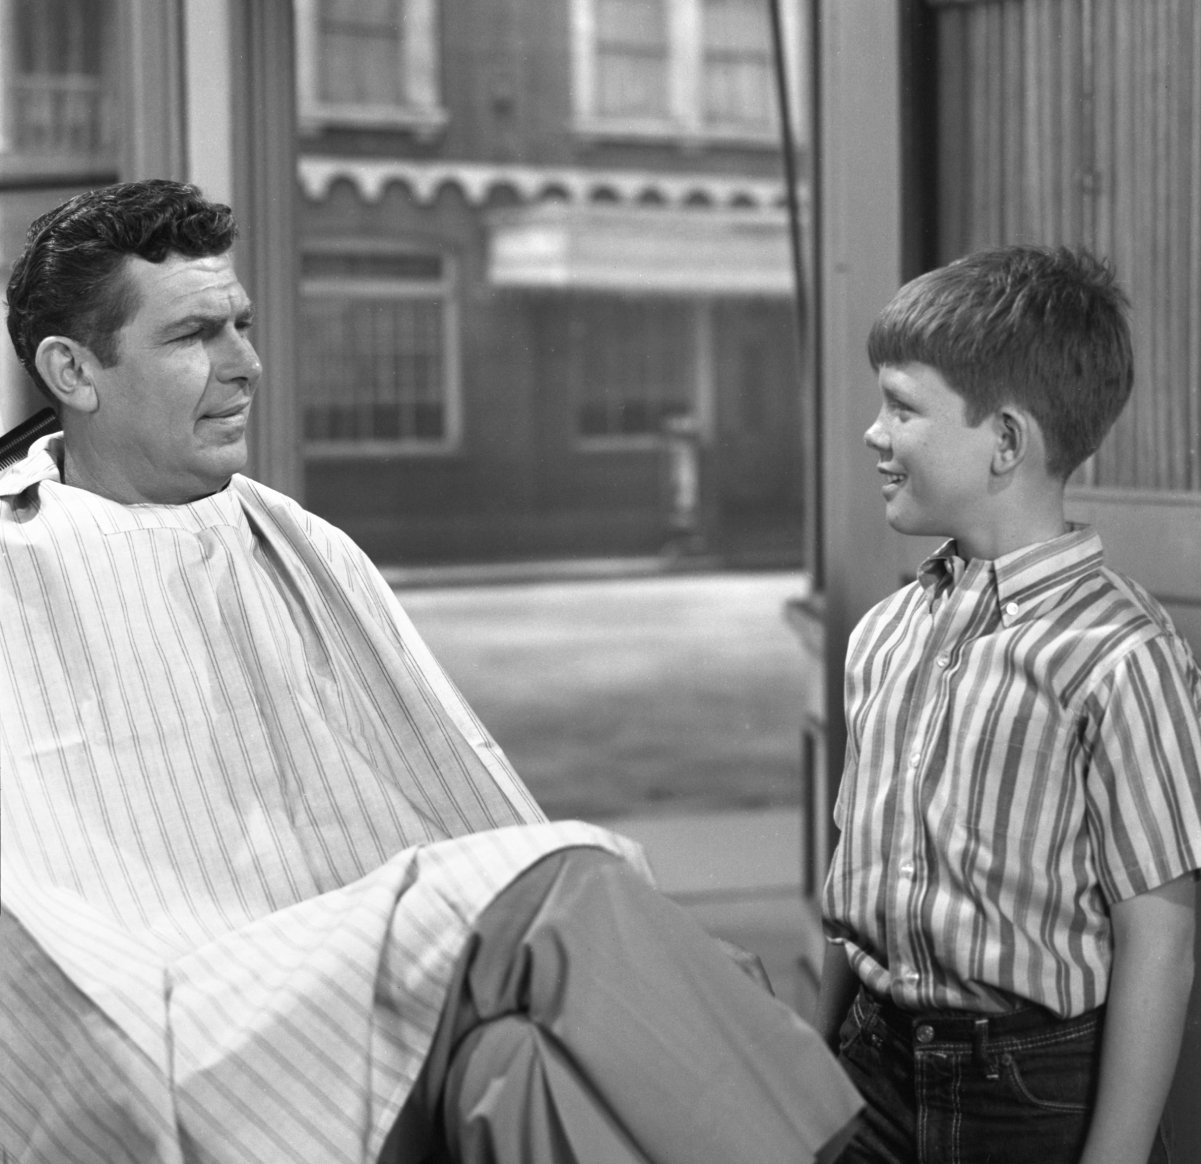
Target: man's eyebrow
[199,319]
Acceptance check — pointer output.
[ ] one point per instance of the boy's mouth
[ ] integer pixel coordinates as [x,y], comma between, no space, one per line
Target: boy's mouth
[892,481]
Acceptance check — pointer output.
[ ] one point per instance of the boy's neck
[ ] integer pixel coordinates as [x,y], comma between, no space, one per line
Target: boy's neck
[1014,528]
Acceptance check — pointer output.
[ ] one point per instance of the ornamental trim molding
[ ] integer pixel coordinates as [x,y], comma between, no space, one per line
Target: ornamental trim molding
[479,182]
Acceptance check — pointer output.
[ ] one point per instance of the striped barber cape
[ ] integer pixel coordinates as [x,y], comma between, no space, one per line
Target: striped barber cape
[247,823]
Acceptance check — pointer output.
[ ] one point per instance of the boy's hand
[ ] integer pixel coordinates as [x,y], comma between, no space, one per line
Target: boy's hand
[838,989]
[1144,1022]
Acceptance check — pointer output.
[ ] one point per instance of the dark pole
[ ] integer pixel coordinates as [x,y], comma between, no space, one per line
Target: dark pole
[807,410]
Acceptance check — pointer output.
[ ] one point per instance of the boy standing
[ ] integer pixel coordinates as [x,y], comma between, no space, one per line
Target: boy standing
[1010,906]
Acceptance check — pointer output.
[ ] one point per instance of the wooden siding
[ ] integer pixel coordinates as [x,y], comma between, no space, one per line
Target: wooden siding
[1073,121]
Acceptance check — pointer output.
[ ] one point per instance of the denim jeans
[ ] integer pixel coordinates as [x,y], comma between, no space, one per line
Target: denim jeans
[947,1088]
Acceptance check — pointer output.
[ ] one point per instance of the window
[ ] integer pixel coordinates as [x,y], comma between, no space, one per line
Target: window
[58,131]
[56,97]
[379,353]
[632,58]
[683,68]
[632,364]
[737,81]
[369,62]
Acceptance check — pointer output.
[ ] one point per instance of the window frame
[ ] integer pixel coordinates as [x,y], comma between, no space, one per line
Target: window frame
[685,118]
[446,288]
[422,113]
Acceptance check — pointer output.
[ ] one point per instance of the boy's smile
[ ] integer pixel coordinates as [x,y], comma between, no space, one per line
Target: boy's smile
[936,468]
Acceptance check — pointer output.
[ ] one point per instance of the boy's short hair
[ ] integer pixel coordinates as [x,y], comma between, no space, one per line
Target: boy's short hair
[69,280]
[1044,328]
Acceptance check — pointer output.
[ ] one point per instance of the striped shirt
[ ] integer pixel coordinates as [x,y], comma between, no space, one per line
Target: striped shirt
[247,824]
[1024,749]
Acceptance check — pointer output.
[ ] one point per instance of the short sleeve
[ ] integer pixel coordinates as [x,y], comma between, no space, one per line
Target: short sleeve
[1143,733]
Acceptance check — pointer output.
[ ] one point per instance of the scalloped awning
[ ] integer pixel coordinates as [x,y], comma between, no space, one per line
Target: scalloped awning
[672,251]
[478,182]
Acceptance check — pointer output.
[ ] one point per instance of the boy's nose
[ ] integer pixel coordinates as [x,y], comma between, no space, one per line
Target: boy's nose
[874,438]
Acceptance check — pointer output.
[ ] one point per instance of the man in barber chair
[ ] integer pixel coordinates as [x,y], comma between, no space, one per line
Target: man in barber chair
[270,890]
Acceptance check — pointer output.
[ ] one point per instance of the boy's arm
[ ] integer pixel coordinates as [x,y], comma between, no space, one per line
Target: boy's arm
[838,989]
[1149,989]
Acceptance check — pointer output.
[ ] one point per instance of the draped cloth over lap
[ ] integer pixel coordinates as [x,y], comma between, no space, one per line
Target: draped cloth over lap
[247,825]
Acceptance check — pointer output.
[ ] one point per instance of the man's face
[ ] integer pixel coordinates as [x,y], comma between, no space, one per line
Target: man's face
[936,467]
[170,425]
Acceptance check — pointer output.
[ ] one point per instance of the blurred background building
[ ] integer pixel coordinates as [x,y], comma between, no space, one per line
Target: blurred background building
[520,262]
[532,234]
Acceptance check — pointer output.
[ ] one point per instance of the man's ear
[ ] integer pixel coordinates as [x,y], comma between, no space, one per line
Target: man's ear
[1016,435]
[66,366]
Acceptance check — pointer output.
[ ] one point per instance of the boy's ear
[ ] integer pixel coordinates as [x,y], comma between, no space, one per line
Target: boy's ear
[66,367]
[1016,435]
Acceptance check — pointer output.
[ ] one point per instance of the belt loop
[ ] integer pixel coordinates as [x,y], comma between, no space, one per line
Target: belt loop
[980,1049]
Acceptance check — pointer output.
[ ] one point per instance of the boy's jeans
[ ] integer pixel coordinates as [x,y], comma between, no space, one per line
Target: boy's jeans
[943,1089]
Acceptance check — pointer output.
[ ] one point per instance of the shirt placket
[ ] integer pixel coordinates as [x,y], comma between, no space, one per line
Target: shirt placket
[909,954]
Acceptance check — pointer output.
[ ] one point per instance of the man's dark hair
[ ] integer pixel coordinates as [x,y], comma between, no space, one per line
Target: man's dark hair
[1044,328]
[69,280]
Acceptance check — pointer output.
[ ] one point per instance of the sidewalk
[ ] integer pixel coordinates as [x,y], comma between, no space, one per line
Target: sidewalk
[546,570]
[664,700]
[739,875]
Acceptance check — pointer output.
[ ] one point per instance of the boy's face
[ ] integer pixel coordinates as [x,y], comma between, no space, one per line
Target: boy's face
[936,467]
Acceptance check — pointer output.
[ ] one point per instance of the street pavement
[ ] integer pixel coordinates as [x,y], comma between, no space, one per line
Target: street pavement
[665,704]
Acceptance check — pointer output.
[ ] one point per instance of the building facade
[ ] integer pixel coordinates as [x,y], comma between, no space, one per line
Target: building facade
[546,285]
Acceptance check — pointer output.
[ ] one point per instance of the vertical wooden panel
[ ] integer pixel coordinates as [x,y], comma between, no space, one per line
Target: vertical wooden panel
[1012,68]
[954,132]
[1075,121]
[1180,116]
[1156,454]
[264,198]
[860,268]
[1037,107]
[1185,253]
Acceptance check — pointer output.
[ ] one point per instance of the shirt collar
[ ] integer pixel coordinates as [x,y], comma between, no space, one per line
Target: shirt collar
[1025,578]
[39,464]
[941,572]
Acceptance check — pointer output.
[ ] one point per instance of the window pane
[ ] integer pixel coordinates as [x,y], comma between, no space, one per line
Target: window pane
[631,365]
[58,81]
[737,65]
[361,52]
[632,58]
[373,367]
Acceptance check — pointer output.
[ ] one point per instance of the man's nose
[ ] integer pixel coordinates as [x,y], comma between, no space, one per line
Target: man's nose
[239,360]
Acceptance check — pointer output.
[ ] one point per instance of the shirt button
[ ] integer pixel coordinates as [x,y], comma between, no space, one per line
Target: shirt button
[907,869]
[924,1033]
[943,660]
[1011,609]
[914,757]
